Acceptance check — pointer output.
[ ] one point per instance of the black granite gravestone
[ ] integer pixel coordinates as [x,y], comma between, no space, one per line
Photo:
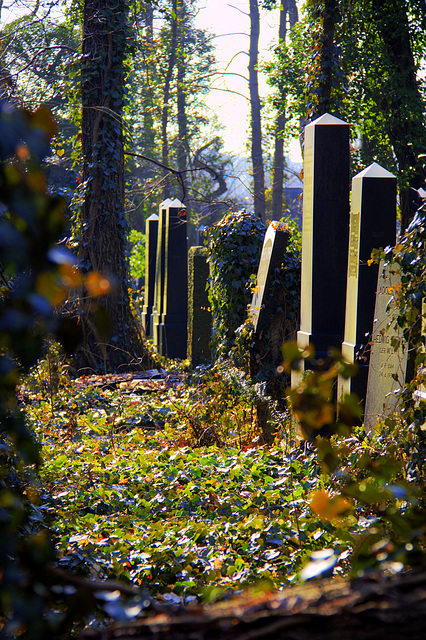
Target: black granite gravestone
[199,314]
[159,277]
[372,226]
[325,236]
[174,309]
[151,239]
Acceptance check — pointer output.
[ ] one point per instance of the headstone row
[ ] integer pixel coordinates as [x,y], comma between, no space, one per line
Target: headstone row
[346,301]
[165,310]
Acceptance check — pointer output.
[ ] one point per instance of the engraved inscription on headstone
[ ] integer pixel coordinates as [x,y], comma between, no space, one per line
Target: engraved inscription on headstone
[420,393]
[387,365]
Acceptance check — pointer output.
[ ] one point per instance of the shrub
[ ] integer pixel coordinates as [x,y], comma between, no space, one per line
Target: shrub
[235,245]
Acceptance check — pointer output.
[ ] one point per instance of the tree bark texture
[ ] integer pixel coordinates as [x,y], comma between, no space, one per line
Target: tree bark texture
[166,99]
[111,336]
[372,608]
[326,63]
[182,142]
[277,184]
[256,129]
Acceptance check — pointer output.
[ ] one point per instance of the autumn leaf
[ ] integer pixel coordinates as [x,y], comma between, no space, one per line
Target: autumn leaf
[329,507]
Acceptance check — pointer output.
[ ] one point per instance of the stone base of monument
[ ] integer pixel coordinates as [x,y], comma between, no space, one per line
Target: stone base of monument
[321,344]
[173,336]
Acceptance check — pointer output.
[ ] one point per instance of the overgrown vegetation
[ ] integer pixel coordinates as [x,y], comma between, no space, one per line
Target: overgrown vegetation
[235,245]
[120,493]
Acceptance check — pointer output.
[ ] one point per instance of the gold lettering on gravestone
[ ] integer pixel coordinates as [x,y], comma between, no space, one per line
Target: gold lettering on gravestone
[308,187]
[388,360]
[354,245]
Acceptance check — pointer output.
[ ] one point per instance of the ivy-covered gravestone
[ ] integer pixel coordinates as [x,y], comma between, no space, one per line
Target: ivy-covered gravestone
[199,314]
[235,243]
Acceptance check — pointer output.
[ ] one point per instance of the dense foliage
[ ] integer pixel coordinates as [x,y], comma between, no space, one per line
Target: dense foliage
[31,222]
[161,485]
[235,244]
[361,61]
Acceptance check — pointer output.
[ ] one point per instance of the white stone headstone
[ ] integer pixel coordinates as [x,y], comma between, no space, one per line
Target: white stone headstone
[388,364]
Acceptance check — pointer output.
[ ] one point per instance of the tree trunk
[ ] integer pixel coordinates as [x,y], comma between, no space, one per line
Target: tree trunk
[256,129]
[166,99]
[288,7]
[111,338]
[376,607]
[182,149]
[277,184]
[405,109]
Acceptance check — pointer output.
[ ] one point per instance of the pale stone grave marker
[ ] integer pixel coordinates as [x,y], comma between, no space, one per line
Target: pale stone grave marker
[388,366]
[269,324]
[273,250]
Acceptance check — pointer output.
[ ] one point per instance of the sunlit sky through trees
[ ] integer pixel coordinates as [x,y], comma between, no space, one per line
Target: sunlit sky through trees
[229,21]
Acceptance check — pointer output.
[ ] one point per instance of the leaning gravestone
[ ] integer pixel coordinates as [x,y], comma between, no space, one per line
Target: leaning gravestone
[159,277]
[269,325]
[174,308]
[151,239]
[388,364]
[199,314]
[372,226]
[273,250]
[325,236]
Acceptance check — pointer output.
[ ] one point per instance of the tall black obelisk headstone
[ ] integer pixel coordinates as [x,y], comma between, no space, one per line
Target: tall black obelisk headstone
[159,277]
[151,238]
[372,226]
[325,236]
[174,309]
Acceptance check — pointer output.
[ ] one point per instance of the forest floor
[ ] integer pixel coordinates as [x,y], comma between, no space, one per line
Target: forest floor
[128,494]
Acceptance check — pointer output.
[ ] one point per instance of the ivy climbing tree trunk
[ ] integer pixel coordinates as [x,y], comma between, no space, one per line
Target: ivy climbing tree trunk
[325,70]
[182,142]
[166,99]
[287,7]
[111,336]
[256,129]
